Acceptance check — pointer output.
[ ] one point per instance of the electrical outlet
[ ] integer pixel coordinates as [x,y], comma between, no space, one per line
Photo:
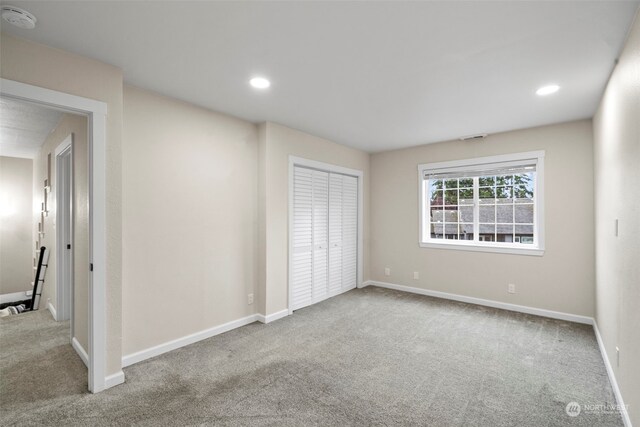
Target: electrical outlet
[511,288]
[416,275]
[250,299]
[387,271]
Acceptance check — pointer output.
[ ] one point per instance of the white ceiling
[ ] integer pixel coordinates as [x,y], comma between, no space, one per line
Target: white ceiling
[24,127]
[372,75]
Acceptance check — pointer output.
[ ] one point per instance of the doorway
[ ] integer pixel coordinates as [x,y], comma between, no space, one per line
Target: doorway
[325,231]
[96,112]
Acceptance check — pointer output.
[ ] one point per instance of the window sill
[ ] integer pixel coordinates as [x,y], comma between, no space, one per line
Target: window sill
[483,248]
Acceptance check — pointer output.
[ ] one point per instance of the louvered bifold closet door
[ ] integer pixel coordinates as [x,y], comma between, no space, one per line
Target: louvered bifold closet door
[335,234]
[320,234]
[349,232]
[302,239]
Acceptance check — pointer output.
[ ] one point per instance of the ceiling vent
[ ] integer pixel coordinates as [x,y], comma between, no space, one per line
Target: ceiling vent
[18,17]
[471,137]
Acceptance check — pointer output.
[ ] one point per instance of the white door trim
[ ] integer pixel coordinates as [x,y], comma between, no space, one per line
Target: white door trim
[96,112]
[326,167]
[64,274]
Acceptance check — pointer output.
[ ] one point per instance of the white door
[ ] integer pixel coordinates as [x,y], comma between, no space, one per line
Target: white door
[324,235]
[320,235]
[302,239]
[335,233]
[349,253]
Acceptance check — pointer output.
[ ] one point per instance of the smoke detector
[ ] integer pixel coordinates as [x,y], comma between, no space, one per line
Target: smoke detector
[18,17]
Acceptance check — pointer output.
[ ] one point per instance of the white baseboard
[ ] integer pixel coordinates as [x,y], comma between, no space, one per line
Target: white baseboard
[612,377]
[52,310]
[139,356]
[485,302]
[81,351]
[114,380]
[272,317]
[15,296]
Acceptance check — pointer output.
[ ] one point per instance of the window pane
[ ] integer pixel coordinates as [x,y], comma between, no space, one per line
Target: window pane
[487,233]
[504,214]
[437,214]
[504,180]
[451,229]
[504,233]
[487,228]
[451,215]
[466,182]
[524,179]
[466,231]
[437,219]
[451,197]
[466,214]
[523,214]
[436,197]
[466,196]
[451,183]
[524,230]
[488,214]
[504,192]
[522,192]
[486,194]
[487,181]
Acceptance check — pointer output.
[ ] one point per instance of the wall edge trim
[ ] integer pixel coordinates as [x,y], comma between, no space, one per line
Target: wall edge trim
[139,356]
[273,316]
[485,302]
[612,377]
[114,379]
[80,350]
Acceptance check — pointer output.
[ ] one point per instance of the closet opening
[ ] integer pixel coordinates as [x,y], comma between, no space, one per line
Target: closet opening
[325,231]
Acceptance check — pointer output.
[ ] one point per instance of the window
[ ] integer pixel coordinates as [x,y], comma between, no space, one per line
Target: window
[492,204]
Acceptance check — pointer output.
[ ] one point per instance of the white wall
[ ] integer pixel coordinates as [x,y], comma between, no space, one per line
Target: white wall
[44,66]
[190,218]
[617,174]
[277,143]
[561,280]
[16,237]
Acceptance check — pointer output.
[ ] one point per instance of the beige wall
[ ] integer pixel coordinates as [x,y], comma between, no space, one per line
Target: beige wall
[277,144]
[561,280]
[43,66]
[76,125]
[617,174]
[16,236]
[190,228]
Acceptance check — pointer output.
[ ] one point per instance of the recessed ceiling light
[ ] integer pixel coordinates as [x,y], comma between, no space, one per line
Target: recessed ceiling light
[259,82]
[18,17]
[547,90]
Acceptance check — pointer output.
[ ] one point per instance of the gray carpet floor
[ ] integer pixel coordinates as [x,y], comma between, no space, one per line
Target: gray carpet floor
[371,356]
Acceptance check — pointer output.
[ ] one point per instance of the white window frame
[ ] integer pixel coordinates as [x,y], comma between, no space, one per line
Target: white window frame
[426,241]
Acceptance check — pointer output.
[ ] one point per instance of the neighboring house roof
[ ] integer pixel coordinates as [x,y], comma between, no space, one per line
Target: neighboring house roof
[459,219]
